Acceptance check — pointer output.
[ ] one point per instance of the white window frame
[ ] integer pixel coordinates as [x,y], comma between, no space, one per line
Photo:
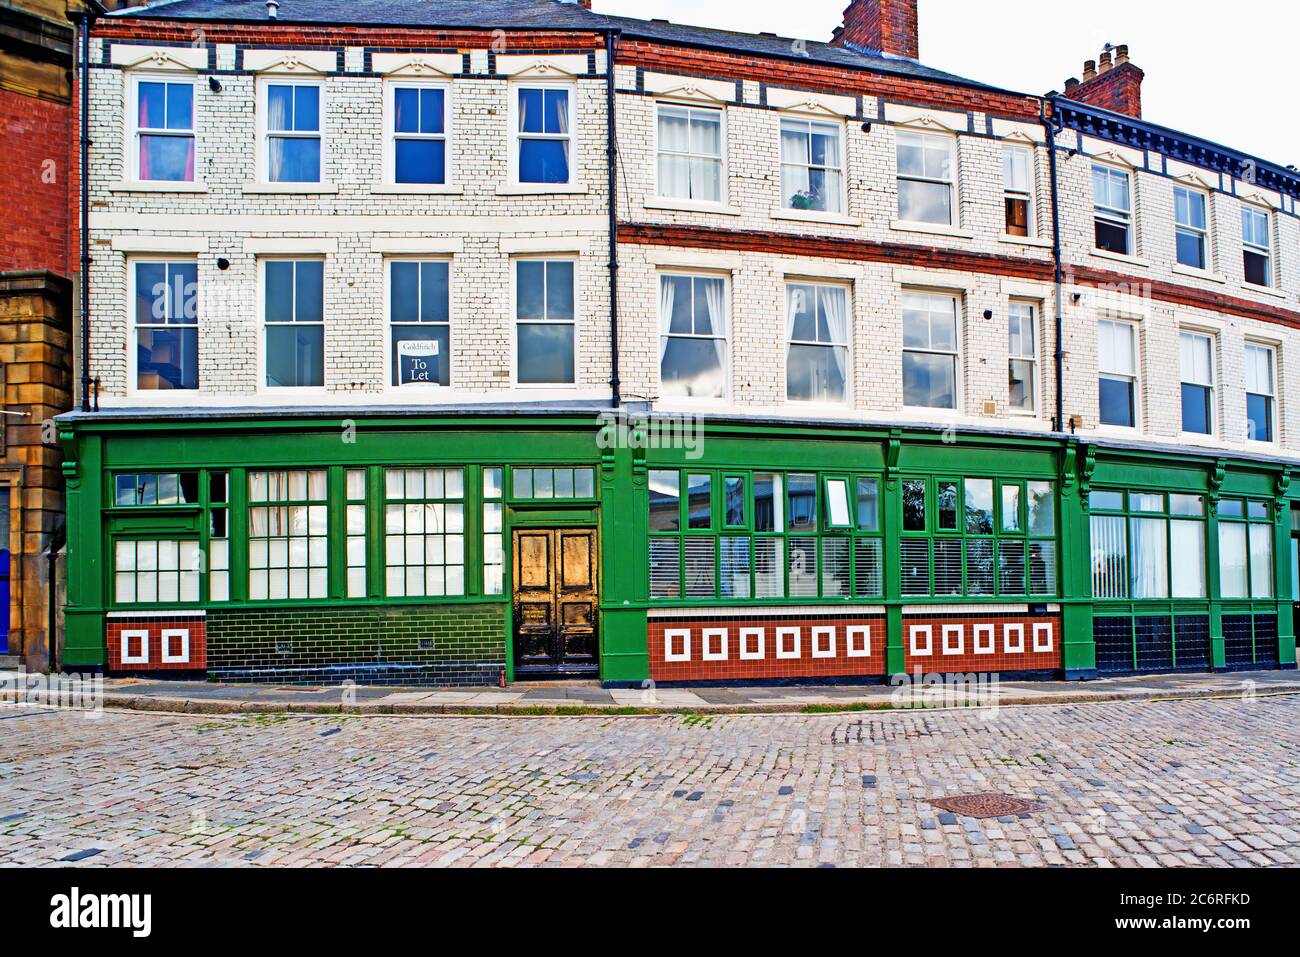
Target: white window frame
[1203,233]
[1136,330]
[576,322]
[516,135]
[847,345]
[264,84]
[722,199]
[1030,197]
[132,354]
[134,131]
[954,197]
[660,275]
[1266,251]
[1113,214]
[812,121]
[1211,385]
[388,324]
[1272,351]
[262,351]
[391,86]
[1035,312]
[958,398]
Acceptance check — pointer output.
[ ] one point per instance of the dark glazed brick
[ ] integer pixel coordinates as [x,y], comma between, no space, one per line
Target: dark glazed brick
[435,645]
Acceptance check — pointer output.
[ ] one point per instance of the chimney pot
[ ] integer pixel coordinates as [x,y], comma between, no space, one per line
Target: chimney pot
[1116,86]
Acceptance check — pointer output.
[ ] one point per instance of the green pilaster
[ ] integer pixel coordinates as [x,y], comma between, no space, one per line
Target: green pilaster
[1078,650]
[625,585]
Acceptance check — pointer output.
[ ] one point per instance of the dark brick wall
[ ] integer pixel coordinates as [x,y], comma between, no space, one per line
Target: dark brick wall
[406,645]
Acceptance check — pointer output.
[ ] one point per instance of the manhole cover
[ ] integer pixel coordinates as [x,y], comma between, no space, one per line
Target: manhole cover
[986,805]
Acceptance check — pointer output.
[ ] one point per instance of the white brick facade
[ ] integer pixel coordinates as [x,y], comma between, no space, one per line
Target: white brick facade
[481,223]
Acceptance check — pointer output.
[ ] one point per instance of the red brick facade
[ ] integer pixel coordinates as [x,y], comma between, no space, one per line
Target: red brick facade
[145,644]
[981,643]
[35,140]
[755,648]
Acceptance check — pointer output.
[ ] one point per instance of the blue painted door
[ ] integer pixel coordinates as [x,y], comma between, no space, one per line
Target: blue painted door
[4,600]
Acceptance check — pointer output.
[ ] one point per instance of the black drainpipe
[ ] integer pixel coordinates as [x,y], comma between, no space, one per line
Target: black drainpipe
[1049,125]
[83,24]
[51,583]
[611,152]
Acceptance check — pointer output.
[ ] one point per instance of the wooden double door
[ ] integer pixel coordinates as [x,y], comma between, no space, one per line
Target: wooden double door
[555,602]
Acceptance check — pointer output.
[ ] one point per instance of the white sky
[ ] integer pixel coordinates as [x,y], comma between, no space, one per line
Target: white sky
[1218,70]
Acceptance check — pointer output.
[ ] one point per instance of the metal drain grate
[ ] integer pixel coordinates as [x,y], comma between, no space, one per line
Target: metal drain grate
[986,805]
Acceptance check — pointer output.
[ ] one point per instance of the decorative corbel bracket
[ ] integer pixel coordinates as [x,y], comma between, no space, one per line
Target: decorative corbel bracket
[1216,480]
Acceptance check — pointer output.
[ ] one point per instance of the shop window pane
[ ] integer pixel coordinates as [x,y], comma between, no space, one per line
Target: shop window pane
[946,498]
[769,568]
[699,502]
[1011,508]
[768,513]
[1232,560]
[1187,548]
[1261,561]
[979,506]
[736,566]
[802,499]
[867,579]
[914,506]
[701,568]
[1150,558]
[947,567]
[1186,505]
[665,507]
[665,568]
[803,567]
[979,567]
[1109,557]
[835,567]
[915,562]
[837,503]
[1011,567]
[868,505]
[735,501]
[1042,568]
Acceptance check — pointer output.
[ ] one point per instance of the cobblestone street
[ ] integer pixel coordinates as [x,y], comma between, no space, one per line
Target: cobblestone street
[1208,782]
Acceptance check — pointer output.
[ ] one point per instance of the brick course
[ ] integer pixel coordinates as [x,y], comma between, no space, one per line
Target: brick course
[407,644]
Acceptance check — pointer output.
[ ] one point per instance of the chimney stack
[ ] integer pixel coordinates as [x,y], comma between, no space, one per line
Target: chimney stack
[1115,85]
[886,27]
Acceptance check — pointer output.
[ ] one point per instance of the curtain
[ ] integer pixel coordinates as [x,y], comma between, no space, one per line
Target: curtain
[561,101]
[793,294]
[1109,557]
[674,168]
[715,294]
[835,308]
[524,118]
[1261,561]
[667,299]
[1150,558]
[1232,560]
[794,164]
[275,155]
[1187,546]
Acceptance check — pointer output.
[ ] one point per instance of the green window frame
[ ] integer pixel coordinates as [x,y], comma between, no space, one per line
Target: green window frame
[424,532]
[977,536]
[1148,545]
[721,535]
[1246,554]
[533,483]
